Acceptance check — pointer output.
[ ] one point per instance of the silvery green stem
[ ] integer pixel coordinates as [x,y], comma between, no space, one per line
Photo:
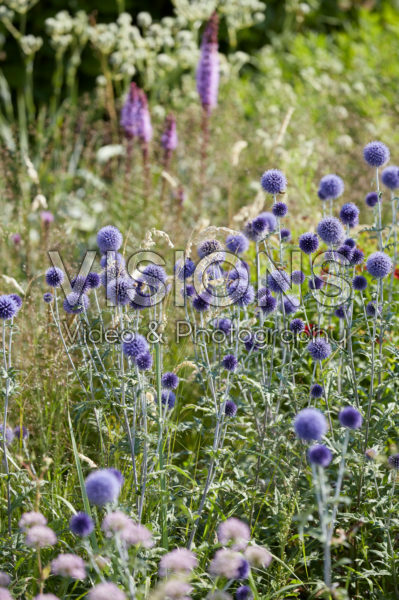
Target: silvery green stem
[339,483]
[395,244]
[4,441]
[365,314]
[348,319]
[371,390]
[145,449]
[318,486]
[379,211]
[390,545]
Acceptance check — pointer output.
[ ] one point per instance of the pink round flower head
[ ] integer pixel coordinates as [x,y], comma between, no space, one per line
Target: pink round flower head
[4,579]
[235,531]
[116,523]
[177,560]
[47,217]
[175,589]
[137,535]
[40,536]
[106,591]
[5,594]
[46,597]
[69,565]
[226,563]
[30,519]
[258,556]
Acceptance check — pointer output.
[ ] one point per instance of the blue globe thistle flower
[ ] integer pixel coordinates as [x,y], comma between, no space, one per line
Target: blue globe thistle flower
[189,291]
[359,283]
[390,177]
[393,461]
[357,257]
[48,297]
[285,234]
[319,455]
[112,272]
[310,424]
[74,304]
[169,398]
[372,199]
[17,299]
[350,417]
[154,276]
[200,304]
[251,344]
[274,181]
[280,209]
[237,243]
[330,230]
[349,214]
[213,247]
[350,242]
[102,487]
[297,325]
[93,280]
[262,293]
[291,304]
[316,390]
[243,570]
[229,362]
[298,277]
[244,593]
[144,361]
[257,229]
[319,349]
[340,312]
[79,284]
[54,277]
[169,381]
[20,433]
[321,195]
[223,324]
[371,309]
[110,258]
[186,270]
[8,308]
[230,408]
[316,283]
[134,345]
[9,437]
[379,265]
[308,242]
[245,298]
[278,281]
[120,290]
[376,154]
[109,238]
[268,304]
[81,524]
[331,187]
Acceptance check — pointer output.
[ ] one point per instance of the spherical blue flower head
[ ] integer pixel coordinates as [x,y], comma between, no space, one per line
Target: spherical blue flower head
[244,593]
[109,238]
[321,195]
[81,524]
[319,349]
[112,257]
[390,177]
[190,291]
[120,291]
[268,304]
[298,277]
[310,424]
[48,297]
[350,417]
[169,381]
[229,362]
[331,231]
[154,276]
[17,299]
[308,242]
[319,455]
[93,280]
[291,304]
[393,461]
[74,304]
[54,277]
[237,243]
[349,214]
[200,304]
[297,325]
[223,324]
[134,345]
[274,181]
[169,398]
[350,242]
[371,309]
[357,257]
[8,308]
[316,283]
[20,432]
[372,199]
[118,475]
[79,284]
[257,229]
[340,312]
[331,187]
[359,283]
[211,247]
[141,300]
[285,234]
[144,361]
[230,408]
[246,298]
[376,154]
[316,391]
[280,209]
[243,570]
[345,254]
[9,435]
[112,272]
[262,293]
[186,270]
[379,265]
[251,344]
[102,487]
[278,281]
